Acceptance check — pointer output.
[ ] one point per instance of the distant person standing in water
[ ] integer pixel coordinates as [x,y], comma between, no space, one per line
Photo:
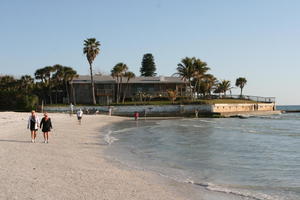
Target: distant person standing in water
[79,115]
[33,124]
[46,126]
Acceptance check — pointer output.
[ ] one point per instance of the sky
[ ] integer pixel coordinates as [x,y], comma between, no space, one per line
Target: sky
[256,39]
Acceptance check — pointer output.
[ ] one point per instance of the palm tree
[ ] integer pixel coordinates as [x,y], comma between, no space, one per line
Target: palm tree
[207,83]
[44,74]
[241,82]
[58,78]
[186,71]
[128,75]
[70,74]
[224,86]
[91,49]
[200,68]
[118,72]
[26,82]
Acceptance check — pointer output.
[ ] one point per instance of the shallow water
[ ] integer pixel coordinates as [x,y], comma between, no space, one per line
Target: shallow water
[258,157]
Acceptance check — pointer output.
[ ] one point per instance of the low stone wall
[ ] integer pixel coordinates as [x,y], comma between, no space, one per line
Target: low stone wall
[149,110]
[167,110]
[221,108]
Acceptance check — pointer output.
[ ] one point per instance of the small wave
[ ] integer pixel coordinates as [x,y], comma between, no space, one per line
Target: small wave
[201,120]
[198,126]
[124,130]
[218,188]
[109,139]
[252,131]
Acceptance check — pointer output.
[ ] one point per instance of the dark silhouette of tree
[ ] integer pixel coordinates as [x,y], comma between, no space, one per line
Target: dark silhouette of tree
[118,73]
[148,66]
[128,75]
[241,82]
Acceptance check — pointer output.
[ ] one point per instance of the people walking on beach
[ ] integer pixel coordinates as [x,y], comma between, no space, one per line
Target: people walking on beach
[79,115]
[33,124]
[46,126]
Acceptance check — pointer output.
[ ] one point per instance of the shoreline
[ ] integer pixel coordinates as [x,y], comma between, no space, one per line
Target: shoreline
[73,165]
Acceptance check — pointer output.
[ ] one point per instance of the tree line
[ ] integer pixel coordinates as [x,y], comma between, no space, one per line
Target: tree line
[53,84]
[49,85]
[198,81]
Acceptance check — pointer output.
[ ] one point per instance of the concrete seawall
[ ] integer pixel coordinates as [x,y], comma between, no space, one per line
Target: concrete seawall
[173,110]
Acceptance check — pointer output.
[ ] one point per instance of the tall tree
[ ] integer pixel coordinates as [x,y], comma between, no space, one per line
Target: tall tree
[206,85]
[223,86]
[241,82]
[148,66]
[200,68]
[128,75]
[44,74]
[186,71]
[69,75]
[26,82]
[91,49]
[117,73]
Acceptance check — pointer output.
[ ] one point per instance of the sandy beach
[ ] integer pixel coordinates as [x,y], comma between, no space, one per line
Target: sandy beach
[70,166]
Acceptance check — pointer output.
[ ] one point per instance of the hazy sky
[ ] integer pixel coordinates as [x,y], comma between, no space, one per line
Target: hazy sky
[257,39]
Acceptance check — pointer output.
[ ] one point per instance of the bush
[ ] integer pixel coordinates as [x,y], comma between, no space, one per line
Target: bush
[27,102]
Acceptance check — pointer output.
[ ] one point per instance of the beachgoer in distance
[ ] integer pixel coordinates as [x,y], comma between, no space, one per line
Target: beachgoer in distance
[33,124]
[136,116]
[71,109]
[196,113]
[46,126]
[79,115]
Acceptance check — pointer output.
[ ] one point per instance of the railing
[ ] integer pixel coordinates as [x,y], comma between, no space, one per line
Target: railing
[247,97]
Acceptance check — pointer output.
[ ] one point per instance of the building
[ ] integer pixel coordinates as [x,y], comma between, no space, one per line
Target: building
[135,88]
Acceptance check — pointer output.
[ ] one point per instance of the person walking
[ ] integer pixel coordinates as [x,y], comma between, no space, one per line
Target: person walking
[136,115]
[46,126]
[79,115]
[33,124]
[71,109]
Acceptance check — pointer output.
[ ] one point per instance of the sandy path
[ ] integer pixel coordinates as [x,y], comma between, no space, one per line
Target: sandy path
[70,166]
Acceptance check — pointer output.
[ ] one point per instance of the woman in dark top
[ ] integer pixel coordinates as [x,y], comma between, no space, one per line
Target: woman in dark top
[33,124]
[46,126]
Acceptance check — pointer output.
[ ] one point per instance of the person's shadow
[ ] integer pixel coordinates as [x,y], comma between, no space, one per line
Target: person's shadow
[15,141]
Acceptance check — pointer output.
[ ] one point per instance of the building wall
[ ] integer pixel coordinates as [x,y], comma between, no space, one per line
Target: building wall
[83,93]
[106,92]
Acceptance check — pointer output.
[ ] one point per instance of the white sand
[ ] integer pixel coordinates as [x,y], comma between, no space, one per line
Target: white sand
[71,166]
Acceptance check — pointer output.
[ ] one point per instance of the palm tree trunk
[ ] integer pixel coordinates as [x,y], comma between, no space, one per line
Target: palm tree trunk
[92,84]
[191,90]
[118,90]
[67,90]
[121,80]
[124,94]
[73,94]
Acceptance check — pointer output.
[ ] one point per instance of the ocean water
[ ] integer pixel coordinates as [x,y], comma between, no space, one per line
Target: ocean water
[289,108]
[254,158]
